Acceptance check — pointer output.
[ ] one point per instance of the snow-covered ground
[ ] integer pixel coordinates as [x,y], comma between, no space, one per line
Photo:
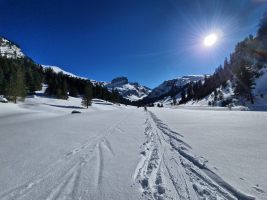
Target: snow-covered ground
[121,152]
[233,142]
[68,156]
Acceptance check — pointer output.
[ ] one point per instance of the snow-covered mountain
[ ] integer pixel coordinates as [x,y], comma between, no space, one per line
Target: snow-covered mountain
[174,84]
[225,94]
[58,70]
[164,93]
[9,49]
[132,91]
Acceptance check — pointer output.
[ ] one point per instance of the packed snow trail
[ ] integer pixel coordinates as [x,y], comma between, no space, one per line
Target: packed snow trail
[169,169]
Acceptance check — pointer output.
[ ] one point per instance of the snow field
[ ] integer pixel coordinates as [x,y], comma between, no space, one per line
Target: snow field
[118,152]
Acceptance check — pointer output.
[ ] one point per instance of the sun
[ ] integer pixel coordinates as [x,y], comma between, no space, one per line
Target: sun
[210,40]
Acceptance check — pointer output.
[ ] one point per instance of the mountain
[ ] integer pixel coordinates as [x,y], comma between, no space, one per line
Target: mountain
[21,76]
[169,85]
[10,49]
[218,89]
[58,70]
[165,92]
[132,91]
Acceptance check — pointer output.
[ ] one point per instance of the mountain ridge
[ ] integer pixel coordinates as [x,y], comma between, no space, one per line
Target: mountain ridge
[132,91]
[169,90]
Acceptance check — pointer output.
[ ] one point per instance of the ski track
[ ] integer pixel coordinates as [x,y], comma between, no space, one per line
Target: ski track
[168,168]
[62,179]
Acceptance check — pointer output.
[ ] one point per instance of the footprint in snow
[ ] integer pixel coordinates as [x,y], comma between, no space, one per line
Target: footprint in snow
[258,189]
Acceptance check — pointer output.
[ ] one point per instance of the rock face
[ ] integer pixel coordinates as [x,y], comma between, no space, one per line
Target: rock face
[132,91]
[9,49]
[119,81]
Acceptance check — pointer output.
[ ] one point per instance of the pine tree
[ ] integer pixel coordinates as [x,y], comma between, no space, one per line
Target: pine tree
[183,97]
[115,96]
[17,87]
[73,91]
[262,31]
[30,82]
[245,81]
[87,98]
[174,101]
[189,92]
[33,80]
[64,90]
[215,95]
[2,82]
[220,96]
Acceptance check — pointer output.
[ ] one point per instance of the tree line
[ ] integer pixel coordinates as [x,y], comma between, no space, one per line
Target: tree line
[21,76]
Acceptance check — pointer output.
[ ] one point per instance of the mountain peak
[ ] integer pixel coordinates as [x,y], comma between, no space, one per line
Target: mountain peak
[9,49]
[119,81]
[132,91]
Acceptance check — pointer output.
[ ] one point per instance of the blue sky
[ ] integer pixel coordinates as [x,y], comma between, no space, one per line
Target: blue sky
[148,41]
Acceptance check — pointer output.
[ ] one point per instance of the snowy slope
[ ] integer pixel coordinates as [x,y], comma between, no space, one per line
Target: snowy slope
[9,49]
[58,69]
[224,93]
[227,93]
[131,91]
[261,83]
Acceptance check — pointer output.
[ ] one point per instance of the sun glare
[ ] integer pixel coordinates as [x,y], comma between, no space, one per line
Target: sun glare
[210,39]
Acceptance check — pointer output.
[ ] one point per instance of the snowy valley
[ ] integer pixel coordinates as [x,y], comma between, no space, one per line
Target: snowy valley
[194,137]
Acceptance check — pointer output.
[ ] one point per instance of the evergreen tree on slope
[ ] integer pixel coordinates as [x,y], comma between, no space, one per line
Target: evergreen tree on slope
[87,98]
[17,86]
[245,81]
